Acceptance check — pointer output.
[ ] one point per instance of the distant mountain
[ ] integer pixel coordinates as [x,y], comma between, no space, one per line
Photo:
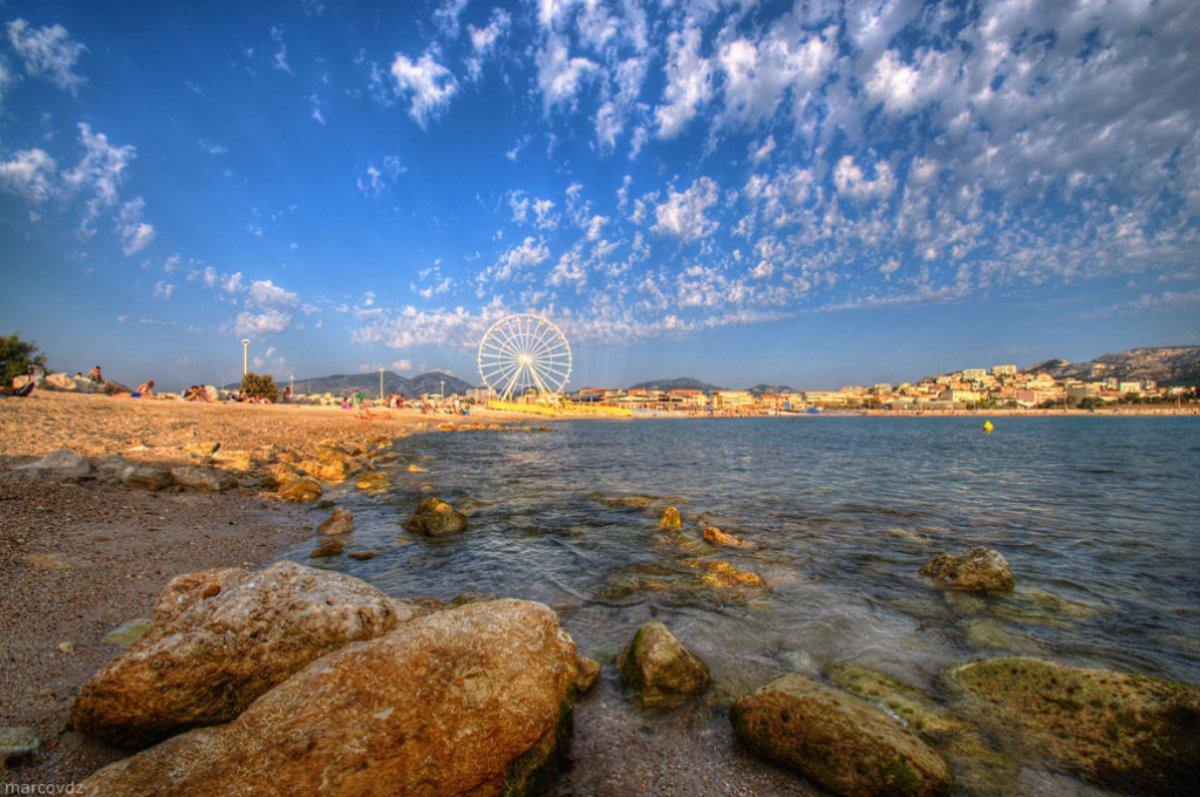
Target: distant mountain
[1166,365]
[344,384]
[758,390]
[682,383]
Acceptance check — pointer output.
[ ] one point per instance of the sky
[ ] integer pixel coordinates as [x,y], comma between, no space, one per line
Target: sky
[810,194]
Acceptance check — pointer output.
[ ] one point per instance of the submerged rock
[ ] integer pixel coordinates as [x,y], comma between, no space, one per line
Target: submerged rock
[374,480]
[361,556]
[340,521]
[659,667]
[901,699]
[723,574]
[434,517]
[464,701]
[977,570]
[589,671]
[331,546]
[1118,730]
[127,632]
[671,520]
[714,536]
[300,490]
[842,742]
[206,479]
[62,464]
[18,745]
[220,639]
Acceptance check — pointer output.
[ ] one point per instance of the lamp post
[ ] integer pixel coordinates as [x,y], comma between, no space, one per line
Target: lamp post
[292,383]
[381,383]
[442,382]
[245,356]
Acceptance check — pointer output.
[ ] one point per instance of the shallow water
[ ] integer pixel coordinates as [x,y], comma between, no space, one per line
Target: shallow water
[1099,517]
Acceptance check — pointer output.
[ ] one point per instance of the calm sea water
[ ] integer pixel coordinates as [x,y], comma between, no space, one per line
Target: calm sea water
[1099,517]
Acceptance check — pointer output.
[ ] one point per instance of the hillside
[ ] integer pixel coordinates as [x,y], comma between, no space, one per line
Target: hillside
[1167,365]
[344,384]
[682,383]
[758,390]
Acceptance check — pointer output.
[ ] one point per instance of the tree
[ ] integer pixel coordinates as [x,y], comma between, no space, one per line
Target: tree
[16,356]
[260,386]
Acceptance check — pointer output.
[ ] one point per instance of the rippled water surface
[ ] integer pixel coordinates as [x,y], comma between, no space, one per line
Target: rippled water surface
[1099,517]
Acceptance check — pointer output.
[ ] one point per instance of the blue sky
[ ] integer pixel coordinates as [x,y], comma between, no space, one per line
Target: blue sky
[811,194]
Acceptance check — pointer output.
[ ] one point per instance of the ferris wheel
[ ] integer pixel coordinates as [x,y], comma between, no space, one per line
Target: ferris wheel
[524,351]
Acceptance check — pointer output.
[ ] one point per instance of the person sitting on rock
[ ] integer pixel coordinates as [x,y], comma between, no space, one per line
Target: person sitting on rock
[95,376]
[19,392]
[196,393]
[145,389]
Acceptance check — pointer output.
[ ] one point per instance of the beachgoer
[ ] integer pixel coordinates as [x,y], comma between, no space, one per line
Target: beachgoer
[94,375]
[18,392]
[287,394]
[144,389]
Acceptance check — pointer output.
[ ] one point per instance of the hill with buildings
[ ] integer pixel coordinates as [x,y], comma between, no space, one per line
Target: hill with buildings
[682,383]
[760,389]
[1170,366]
[419,385]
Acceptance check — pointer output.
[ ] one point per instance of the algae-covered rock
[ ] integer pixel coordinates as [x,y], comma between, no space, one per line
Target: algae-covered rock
[128,632]
[723,574]
[977,570]
[714,536]
[434,517]
[659,667]
[671,519]
[467,701]
[844,743]
[300,490]
[1119,730]
[329,546]
[373,480]
[340,521]
[904,700]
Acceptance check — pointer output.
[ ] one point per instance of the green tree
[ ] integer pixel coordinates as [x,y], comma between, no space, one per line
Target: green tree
[260,386]
[16,356]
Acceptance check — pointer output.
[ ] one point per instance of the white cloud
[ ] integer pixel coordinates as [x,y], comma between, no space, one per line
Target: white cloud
[135,233]
[904,88]
[850,180]
[484,40]
[279,60]
[317,109]
[683,214]
[163,290]
[265,293]
[447,14]
[47,52]
[530,252]
[30,173]
[98,173]
[212,147]
[560,76]
[759,152]
[270,320]
[402,365]
[429,85]
[689,83]
[7,80]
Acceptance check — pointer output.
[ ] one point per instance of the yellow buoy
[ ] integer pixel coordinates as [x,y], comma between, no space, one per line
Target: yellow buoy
[987,426]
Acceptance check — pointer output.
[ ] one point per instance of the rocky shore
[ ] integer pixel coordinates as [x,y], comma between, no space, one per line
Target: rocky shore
[153,645]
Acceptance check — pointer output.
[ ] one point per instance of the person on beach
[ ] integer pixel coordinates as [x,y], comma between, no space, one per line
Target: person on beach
[287,395]
[18,392]
[95,376]
[145,389]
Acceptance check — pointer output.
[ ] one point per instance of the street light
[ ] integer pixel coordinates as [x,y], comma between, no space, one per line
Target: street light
[442,382]
[292,383]
[245,356]
[381,383]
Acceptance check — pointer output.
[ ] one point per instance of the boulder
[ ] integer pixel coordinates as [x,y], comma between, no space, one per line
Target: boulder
[714,536]
[18,745]
[300,490]
[434,517]
[374,480]
[206,479]
[1119,730]
[330,546]
[722,575]
[146,477]
[470,700]
[340,521]
[220,639]
[671,520]
[977,570]
[660,668]
[843,743]
[61,464]
[589,671]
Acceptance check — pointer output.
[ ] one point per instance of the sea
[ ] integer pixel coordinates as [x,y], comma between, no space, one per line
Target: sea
[1099,518]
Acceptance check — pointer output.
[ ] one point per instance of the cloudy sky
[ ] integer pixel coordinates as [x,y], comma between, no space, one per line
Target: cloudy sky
[809,193]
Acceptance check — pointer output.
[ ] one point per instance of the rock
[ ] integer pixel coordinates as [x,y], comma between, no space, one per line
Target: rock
[206,479]
[220,639]
[415,468]
[723,574]
[361,556]
[671,520]
[434,517]
[589,671]
[463,701]
[66,647]
[977,570]
[900,699]
[374,480]
[300,490]
[147,477]
[127,632]
[328,547]
[332,471]
[840,741]
[1123,731]
[204,448]
[659,667]
[339,521]
[62,464]
[714,536]
[234,460]
[18,745]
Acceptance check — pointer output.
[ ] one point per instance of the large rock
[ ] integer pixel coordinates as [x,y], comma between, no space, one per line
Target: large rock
[18,745]
[220,639]
[1119,730]
[466,701]
[147,477]
[205,479]
[340,521]
[846,744]
[977,570]
[300,490]
[434,517]
[659,667]
[61,464]
[671,520]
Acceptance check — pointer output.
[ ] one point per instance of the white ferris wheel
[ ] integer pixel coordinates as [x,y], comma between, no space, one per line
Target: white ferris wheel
[524,351]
